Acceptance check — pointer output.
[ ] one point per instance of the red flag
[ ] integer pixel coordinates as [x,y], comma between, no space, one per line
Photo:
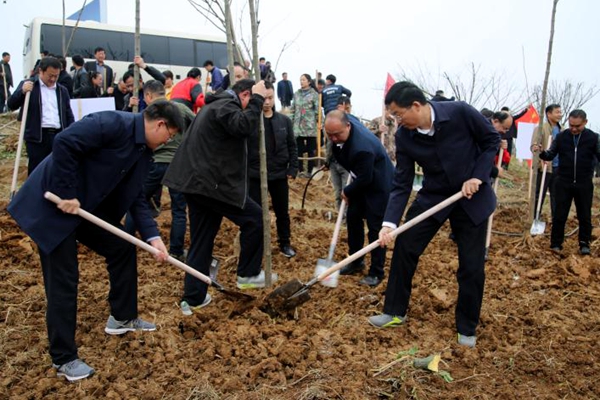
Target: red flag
[388,84]
[531,116]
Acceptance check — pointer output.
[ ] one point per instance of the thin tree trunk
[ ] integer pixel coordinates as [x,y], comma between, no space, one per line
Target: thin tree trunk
[542,114]
[263,157]
[66,51]
[136,69]
[230,43]
[64,34]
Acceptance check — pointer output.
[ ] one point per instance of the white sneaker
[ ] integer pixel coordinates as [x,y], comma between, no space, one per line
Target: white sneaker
[254,282]
[186,309]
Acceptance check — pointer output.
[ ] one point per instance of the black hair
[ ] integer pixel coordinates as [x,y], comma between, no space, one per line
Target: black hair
[552,107]
[404,94]
[97,49]
[167,111]
[242,85]
[168,74]
[269,85]
[439,92]
[578,114]
[500,116]
[486,112]
[45,52]
[261,59]
[62,61]
[208,62]
[154,87]
[505,109]
[5,54]
[128,74]
[77,60]
[321,82]
[49,62]
[92,75]
[331,78]
[194,73]
[343,100]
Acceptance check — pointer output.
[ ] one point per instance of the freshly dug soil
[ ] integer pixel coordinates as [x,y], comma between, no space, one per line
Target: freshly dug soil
[538,336]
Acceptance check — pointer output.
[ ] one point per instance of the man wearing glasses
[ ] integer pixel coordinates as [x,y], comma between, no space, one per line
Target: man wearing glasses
[455,145]
[98,163]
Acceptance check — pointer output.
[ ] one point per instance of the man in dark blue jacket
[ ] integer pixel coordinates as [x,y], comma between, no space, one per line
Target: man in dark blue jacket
[100,164]
[282,163]
[455,145]
[331,93]
[356,149]
[49,110]
[285,91]
[578,149]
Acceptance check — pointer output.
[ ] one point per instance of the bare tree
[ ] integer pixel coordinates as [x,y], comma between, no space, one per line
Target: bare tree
[66,49]
[570,95]
[480,90]
[536,159]
[138,51]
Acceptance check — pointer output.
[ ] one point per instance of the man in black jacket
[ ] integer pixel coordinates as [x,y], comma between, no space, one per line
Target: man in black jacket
[356,149]
[576,148]
[49,110]
[285,91]
[282,163]
[6,80]
[210,169]
[99,66]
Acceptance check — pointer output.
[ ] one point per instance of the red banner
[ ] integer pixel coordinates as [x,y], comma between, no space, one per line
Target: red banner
[388,84]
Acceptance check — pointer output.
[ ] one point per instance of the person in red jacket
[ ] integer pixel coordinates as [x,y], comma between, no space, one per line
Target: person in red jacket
[189,91]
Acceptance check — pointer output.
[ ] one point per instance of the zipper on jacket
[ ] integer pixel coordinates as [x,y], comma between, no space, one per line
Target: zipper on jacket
[575,160]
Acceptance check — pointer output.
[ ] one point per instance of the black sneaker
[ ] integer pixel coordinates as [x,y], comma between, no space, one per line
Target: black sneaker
[288,251]
[584,250]
[370,280]
[353,268]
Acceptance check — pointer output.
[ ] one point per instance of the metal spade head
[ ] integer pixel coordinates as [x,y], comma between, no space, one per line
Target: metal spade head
[286,298]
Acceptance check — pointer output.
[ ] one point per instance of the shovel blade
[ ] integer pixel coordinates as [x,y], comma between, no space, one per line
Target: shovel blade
[537,227]
[279,303]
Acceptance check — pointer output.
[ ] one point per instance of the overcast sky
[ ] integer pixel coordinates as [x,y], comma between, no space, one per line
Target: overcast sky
[360,42]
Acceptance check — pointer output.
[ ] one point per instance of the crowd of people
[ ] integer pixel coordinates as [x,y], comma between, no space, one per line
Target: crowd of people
[204,148]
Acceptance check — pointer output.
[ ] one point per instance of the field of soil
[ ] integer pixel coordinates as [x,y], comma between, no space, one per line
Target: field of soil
[538,337]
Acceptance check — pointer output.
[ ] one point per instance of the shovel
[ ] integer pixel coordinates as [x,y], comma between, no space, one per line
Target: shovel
[538,227]
[132,239]
[294,293]
[13,186]
[488,236]
[323,265]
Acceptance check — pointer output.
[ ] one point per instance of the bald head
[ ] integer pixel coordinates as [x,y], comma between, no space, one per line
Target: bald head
[337,126]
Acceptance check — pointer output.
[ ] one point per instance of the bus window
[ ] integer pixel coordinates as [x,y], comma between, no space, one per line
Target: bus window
[155,49]
[181,52]
[220,54]
[203,52]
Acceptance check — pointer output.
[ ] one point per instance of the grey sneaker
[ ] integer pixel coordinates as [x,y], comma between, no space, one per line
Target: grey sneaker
[468,341]
[254,282]
[114,327]
[74,370]
[186,309]
[386,320]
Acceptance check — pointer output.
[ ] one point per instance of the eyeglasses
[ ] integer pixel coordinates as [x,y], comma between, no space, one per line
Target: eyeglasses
[398,117]
[171,135]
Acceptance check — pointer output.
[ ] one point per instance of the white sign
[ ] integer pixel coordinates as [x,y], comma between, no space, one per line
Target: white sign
[83,107]
[524,135]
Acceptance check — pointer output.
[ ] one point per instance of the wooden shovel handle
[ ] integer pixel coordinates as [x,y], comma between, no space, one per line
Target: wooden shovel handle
[338,224]
[13,186]
[394,233]
[131,239]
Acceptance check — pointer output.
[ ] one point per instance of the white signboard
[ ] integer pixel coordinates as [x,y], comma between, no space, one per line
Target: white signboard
[83,107]
[524,135]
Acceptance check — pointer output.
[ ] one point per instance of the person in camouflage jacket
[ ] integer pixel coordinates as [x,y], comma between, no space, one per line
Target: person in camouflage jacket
[304,114]
[388,140]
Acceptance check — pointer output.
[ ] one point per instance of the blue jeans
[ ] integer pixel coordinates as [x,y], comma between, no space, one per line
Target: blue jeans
[178,208]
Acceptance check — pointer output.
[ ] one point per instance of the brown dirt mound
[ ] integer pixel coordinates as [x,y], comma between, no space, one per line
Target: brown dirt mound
[538,336]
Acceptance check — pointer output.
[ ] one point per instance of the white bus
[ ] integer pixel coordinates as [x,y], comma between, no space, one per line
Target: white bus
[177,52]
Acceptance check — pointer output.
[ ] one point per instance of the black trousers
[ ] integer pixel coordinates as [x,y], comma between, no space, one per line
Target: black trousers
[357,213]
[306,145]
[61,276]
[205,216]
[566,192]
[36,152]
[410,245]
[549,184]
[279,191]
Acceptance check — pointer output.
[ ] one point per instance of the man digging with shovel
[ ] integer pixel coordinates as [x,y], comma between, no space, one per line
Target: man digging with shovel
[99,164]
[455,145]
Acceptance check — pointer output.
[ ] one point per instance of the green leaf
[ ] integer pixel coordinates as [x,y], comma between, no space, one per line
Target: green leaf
[446,376]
